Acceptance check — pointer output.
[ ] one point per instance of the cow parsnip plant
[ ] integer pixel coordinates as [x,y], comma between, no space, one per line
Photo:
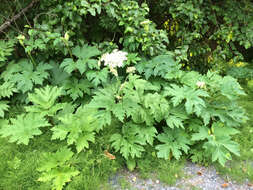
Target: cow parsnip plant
[100,74]
[155,103]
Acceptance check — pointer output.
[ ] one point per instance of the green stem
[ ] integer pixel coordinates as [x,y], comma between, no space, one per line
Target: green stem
[30,56]
[70,52]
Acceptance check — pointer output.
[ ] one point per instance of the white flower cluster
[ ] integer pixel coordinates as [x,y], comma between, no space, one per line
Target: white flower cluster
[201,84]
[114,59]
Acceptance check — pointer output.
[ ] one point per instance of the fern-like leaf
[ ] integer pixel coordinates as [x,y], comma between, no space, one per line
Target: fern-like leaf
[7,89]
[3,107]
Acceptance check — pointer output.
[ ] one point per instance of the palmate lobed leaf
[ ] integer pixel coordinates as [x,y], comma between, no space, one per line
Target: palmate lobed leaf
[231,88]
[194,102]
[147,134]
[59,177]
[45,97]
[77,88]
[55,168]
[119,112]
[158,105]
[85,52]
[77,129]
[57,75]
[125,147]
[219,142]
[25,75]
[174,142]
[68,65]
[130,142]
[98,77]
[220,149]
[85,60]
[162,65]
[103,118]
[53,160]
[24,127]
[201,135]
[174,121]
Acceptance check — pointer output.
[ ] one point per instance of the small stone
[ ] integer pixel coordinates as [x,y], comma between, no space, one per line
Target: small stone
[149,182]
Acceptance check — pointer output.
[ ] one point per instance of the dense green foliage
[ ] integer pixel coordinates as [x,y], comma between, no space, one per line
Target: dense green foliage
[124,77]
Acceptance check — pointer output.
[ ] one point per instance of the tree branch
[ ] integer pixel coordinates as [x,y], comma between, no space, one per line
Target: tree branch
[17,16]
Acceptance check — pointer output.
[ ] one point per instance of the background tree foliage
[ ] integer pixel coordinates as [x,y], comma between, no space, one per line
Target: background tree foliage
[175,92]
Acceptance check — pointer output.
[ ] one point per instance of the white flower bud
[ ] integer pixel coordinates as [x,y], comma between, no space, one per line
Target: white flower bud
[130,69]
[66,36]
[113,71]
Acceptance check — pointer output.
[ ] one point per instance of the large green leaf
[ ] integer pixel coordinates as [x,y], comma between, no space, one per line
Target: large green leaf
[174,142]
[77,129]
[26,75]
[24,127]
[55,168]
[130,142]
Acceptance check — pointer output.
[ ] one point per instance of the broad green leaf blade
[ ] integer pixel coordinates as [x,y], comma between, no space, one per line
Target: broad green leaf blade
[24,128]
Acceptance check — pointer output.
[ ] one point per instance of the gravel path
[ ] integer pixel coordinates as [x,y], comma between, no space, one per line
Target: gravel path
[200,178]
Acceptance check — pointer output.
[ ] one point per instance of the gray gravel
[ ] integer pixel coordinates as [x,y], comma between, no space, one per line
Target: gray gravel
[199,178]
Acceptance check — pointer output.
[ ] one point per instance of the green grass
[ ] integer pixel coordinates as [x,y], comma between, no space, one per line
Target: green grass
[18,168]
[124,184]
[167,171]
[18,164]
